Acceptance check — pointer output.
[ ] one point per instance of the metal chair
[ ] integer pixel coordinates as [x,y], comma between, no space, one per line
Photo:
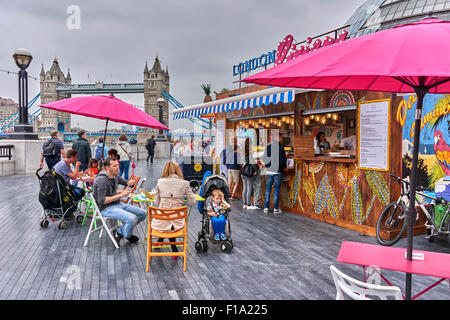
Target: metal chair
[98,215]
[166,214]
[359,290]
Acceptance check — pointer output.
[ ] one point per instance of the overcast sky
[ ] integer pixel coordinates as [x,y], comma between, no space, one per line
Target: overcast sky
[199,40]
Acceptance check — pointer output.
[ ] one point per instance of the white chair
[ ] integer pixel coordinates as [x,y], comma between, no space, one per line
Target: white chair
[97,215]
[359,290]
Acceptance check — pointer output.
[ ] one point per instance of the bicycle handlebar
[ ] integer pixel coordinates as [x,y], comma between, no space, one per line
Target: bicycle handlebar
[399,180]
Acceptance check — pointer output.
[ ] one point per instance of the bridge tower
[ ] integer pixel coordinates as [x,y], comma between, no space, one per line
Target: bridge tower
[51,119]
[156,80]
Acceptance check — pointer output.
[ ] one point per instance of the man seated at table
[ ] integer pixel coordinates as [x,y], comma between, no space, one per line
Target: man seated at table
[64,169]
[108,197]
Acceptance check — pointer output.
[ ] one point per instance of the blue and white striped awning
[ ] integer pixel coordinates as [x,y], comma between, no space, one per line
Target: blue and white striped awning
[245,101]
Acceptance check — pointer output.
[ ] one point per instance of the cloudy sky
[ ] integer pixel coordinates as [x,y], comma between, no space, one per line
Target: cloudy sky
[199,40]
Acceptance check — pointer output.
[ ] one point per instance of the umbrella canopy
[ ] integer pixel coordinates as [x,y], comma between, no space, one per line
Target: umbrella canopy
[409,58]
[106,108]
[391,60]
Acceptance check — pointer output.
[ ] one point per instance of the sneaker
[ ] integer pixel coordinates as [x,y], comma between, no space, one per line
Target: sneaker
[276,210]
[216,237]
[252,207]
[244,206]
[259,207]
[266,210]
[117,236]
[133,238]
[223,236]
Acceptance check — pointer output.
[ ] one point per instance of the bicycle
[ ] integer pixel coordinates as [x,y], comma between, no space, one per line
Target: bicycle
[392,218]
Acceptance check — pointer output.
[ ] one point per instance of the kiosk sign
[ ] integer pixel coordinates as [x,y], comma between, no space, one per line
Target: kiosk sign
[288,50]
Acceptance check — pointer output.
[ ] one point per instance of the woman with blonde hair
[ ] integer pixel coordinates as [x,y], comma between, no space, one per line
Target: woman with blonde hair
[124,151]
[171,189]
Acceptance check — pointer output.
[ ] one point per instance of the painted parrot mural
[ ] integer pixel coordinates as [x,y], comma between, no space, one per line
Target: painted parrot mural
[442,152]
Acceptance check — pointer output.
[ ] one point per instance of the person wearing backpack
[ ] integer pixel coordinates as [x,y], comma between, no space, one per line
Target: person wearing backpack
[82,146]
[150,146]
[52,150]
[98,150]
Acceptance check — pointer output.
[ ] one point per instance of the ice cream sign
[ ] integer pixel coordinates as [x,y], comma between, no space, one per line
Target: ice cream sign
[287,50]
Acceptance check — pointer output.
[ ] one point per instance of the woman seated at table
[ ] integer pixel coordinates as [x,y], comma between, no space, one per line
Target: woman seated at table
[321,144]
[171,190]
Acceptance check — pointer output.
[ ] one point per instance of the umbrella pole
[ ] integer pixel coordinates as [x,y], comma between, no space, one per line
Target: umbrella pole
[411,211]
[104,140]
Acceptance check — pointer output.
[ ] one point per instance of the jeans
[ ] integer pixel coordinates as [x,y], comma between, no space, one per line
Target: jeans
[218,224]
[257,189]
[123,168]
[51,162]
[247,190]
[275,180]
[78,192]
[128,214]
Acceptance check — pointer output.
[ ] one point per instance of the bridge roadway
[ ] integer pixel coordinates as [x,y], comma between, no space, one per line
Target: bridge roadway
[283,256]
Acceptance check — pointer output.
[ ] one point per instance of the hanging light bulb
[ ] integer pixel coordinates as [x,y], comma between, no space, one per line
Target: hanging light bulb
[307,121]
[328,115]
[292,121]
[311,117]
[317,118]
[324,120]
[335,116]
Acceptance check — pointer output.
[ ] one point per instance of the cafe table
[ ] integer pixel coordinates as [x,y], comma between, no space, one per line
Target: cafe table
[427,263]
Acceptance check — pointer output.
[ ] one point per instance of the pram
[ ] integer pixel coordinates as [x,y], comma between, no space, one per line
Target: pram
[57,199]
[209,184]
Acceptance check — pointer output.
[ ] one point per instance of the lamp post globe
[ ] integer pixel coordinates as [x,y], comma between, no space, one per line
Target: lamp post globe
[23,130]
[161,102]
[23,58]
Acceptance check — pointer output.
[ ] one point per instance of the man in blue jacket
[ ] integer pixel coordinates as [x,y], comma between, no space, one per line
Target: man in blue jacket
[275,162]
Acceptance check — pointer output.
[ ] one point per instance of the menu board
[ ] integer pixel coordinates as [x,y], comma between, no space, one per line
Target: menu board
[373,135]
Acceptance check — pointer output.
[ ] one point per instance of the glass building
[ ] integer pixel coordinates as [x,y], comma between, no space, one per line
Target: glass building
[376,15]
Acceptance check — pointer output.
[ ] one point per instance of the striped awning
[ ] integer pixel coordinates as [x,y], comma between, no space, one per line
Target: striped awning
[245,101]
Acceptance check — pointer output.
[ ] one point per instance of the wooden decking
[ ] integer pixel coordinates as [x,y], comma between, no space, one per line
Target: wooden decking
[283,256]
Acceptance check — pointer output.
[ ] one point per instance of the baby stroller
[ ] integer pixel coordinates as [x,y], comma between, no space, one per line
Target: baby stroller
[209,184]
[57,199]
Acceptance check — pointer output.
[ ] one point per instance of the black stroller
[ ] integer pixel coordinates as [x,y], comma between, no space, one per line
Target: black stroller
[211,183]
[57,199]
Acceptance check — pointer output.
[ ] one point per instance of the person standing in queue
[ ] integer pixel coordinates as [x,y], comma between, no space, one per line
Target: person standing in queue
[275,162]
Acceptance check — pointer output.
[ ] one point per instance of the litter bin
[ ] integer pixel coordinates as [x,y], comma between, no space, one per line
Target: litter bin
[194,167]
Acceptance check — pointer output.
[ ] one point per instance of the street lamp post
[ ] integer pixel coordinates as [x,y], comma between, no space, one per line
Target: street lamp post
[161,102]
[23,130]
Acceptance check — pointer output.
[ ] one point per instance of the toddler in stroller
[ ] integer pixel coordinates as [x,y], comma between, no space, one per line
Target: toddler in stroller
[217,208]
[215,214]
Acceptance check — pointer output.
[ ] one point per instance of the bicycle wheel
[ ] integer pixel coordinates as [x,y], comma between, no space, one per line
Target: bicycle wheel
[391,224]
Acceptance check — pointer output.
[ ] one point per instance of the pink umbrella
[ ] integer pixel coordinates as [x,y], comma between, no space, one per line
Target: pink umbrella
[106,108]
[412,58]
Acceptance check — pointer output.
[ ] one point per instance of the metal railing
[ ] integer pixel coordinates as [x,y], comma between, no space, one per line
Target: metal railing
[5,151]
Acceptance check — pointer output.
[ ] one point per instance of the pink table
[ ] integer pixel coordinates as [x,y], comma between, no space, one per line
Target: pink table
[434,264]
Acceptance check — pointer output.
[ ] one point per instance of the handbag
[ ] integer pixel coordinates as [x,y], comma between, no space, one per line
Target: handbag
[249,170]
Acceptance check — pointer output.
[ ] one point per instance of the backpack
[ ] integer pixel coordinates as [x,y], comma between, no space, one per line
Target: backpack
[98,152]
[50,149]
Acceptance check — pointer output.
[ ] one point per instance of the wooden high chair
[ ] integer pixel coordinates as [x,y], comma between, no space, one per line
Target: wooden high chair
[166,214]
